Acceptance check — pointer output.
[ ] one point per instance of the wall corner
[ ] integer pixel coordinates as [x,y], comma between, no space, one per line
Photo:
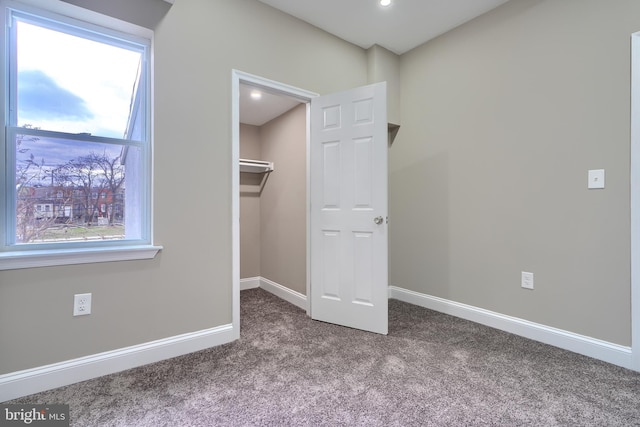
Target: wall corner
[384,65]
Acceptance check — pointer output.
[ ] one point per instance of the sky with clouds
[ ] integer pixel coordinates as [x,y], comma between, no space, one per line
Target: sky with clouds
[54,152]
[75,85]
[41,98]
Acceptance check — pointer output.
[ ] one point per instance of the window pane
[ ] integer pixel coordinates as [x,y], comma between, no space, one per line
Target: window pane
[72,84]
[72,191]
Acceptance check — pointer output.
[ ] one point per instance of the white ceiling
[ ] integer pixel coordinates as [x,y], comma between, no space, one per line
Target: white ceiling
[260,111]
[400,27]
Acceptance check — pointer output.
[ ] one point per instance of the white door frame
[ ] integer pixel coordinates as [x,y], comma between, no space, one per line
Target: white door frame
[635,201]
[237,78]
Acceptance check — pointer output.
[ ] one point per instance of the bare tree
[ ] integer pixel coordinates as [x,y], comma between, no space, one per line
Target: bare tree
[84,187]
[86,174]
[27,174]
[113,172]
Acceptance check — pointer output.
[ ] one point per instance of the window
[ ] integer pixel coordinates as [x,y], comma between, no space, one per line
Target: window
[76,125]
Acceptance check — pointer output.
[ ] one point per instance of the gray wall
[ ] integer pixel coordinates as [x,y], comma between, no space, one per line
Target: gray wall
[501,119]
[250,187]
[187,287]
[384,66]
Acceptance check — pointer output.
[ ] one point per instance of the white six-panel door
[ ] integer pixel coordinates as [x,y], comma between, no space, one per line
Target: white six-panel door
[348,224]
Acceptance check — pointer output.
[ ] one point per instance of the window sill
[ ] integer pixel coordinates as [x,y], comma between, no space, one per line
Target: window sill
[48,258]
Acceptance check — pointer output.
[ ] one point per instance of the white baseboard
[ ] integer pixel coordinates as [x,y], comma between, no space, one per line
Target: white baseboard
[289,295]
[249,283]
[592,347]
[30,381]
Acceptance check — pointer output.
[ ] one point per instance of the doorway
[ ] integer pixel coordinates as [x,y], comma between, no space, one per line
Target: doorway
[346,202]
[240,82]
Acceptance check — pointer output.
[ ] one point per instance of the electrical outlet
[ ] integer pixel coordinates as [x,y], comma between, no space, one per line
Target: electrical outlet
[596,179]
[527,280]
[81,304]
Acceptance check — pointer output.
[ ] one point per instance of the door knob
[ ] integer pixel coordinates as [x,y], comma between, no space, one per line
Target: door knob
[378,220]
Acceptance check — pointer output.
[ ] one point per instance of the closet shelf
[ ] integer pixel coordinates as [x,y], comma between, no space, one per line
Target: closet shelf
[255,166]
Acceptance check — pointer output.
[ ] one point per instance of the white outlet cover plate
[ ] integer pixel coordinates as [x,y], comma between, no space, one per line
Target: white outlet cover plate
[81,304]
[596,178]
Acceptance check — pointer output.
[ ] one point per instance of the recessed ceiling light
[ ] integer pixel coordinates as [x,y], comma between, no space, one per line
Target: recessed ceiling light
[385,3]
[255,94]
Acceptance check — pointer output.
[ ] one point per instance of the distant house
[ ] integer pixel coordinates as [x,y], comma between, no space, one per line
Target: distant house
[70,205]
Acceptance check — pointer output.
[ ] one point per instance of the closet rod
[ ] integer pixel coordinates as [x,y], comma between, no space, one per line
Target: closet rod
[255,166]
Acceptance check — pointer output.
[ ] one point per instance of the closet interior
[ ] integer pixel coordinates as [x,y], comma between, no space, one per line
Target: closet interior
[273,193]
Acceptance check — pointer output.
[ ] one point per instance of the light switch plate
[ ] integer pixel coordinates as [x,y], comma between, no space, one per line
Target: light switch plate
[527,280]
[596,179]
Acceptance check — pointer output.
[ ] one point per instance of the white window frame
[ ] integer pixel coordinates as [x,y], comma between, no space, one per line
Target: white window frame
[70,254]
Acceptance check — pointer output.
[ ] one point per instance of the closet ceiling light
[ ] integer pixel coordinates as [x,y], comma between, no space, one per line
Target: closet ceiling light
[385,3]
[256,94]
